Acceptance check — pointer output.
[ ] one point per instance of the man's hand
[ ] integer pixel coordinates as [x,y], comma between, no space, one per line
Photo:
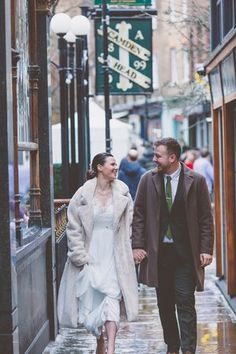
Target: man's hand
[205,259]
[139,254]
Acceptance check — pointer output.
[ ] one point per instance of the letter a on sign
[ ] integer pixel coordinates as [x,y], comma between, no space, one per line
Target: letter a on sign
[139,35]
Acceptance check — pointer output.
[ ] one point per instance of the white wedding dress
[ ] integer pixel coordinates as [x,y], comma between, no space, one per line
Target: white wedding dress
[98,290]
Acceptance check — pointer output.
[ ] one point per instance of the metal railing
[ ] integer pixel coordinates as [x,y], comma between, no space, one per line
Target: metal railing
[60,216]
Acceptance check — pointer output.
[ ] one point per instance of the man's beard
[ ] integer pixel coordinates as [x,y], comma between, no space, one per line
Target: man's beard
[161,169]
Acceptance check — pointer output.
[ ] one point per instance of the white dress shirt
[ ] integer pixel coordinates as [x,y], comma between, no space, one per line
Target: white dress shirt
[174,185]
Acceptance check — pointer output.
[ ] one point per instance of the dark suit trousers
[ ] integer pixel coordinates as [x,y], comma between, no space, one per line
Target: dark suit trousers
[176,291]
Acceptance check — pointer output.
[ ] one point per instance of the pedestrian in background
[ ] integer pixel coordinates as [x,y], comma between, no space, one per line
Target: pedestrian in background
[99,275]
[173,240]
[146,160]
[191,156]
[184,150]
[130,171]
[203,166]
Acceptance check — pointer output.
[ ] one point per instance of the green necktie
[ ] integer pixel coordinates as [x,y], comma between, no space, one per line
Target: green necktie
[169,202]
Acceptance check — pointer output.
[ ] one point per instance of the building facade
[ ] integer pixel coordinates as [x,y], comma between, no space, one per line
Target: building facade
[177,105]
[221,70]
[182,42]
[27,244]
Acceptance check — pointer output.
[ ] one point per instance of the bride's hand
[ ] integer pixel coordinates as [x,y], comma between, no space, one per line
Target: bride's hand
[139,255]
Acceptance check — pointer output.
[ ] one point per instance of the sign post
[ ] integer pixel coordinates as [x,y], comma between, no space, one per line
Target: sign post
[105,67]
[123,52]
[129,46]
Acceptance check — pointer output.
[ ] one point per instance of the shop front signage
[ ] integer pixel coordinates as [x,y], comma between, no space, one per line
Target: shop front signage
[130,56]
[125,2]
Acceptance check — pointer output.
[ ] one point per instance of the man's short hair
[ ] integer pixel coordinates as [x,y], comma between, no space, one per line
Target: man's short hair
[204,152]
[172,146]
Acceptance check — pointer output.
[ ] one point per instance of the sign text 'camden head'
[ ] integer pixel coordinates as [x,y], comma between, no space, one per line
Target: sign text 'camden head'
[130,56]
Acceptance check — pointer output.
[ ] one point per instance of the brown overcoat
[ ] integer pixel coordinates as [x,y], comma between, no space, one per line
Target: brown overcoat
[146,222]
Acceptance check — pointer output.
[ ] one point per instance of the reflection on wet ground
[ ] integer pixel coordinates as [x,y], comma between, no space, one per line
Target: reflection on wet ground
[216,327]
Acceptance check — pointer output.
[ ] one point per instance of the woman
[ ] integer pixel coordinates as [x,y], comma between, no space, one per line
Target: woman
[99,256]
[190,158]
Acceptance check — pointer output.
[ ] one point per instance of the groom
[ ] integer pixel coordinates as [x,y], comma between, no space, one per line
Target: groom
[173,239]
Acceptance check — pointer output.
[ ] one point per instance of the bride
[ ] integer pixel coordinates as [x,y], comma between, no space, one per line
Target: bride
[99,252]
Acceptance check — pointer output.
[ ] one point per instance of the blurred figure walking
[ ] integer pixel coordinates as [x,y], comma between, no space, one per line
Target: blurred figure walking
[203,166]
[146,160]
[190,158]
[130,171]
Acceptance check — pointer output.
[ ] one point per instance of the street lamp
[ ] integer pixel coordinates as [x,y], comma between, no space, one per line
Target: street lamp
[60,24]
[80,27]
[70,80]
[73,31]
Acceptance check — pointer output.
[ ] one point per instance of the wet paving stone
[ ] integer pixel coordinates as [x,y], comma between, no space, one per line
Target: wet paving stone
[216,327]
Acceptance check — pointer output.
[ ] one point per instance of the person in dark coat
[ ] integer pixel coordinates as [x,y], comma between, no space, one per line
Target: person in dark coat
[146,160]
[130,171]
[173,238]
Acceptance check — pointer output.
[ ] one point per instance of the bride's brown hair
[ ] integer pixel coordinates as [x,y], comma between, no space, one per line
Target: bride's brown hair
[98,159]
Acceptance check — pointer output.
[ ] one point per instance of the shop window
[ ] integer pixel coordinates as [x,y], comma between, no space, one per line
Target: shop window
[228,75]
[22,40]
[215,85]
[216,22]
[202,131]
[228,15]
[26,196]
[223,19]
[24,187]
[192,131]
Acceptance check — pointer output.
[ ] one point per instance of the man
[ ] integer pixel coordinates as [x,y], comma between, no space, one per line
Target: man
[173,240]
[203,166]
[130,171]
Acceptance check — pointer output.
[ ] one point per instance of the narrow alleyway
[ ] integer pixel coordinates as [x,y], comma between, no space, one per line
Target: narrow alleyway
[216,327]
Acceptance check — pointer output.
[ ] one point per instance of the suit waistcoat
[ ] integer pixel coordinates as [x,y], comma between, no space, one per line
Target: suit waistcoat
[176,218]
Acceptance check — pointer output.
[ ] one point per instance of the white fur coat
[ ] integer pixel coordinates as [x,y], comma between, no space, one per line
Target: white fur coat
[79,231]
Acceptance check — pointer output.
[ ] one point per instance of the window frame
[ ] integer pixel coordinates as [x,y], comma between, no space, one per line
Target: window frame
[221,11]
[32,146]
[173,66]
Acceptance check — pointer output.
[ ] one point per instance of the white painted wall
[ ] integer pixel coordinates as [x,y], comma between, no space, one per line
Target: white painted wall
[120,134]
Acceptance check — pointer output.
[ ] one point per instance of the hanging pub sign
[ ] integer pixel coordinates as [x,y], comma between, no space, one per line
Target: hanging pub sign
[130,56]
[125,2]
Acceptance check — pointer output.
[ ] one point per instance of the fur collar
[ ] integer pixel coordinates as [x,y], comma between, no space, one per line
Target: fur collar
[84,196]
